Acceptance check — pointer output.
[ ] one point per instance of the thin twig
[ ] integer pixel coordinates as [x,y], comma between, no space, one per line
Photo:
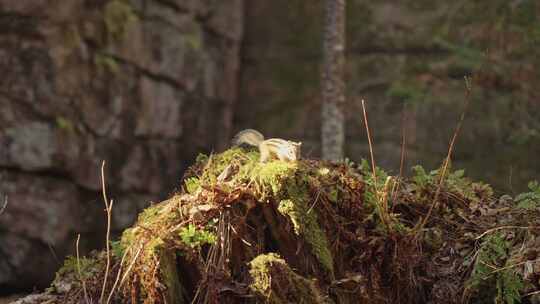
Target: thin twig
[130,266]
[370,146]
[53,253]
[5,205]
[500,228]
[83,282]
[314,203]
[103,189]
[118,274]
[468,86]
[401,157]
[531,293]
[402,153]
[373,168]
[511,266]
[108,209]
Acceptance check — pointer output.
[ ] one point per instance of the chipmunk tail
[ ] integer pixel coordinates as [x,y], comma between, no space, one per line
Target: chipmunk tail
[248,137]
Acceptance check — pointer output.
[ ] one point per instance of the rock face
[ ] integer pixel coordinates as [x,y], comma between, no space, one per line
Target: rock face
[86,81]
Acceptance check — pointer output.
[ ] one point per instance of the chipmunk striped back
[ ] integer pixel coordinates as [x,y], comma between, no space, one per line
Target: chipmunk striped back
[281,149]
[273,148]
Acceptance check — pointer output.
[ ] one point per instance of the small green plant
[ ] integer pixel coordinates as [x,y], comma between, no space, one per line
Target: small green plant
[529,200]
[71,266]
[485,277]
[421,178]
[454,181]
[117,249]
[192,184]
[194,237]
[367,170]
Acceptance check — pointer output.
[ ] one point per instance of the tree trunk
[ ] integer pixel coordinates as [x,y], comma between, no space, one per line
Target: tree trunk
[333,84]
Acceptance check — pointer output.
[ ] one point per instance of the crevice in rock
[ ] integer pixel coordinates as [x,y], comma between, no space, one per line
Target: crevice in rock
[410,51]
[58,175]
[23,26]
[158,19]
[175,7]
[177,84]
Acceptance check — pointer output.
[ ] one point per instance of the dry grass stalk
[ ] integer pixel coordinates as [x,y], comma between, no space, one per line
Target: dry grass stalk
[218,255]
[370,145]
[500,228]
[128,270]
[118,275]
[5,205]
[395,189]
[108,209]
[383,212]
[468,86]
[402,152]
[83,282]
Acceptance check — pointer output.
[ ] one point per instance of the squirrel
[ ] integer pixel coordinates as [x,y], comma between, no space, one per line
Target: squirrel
[273,148]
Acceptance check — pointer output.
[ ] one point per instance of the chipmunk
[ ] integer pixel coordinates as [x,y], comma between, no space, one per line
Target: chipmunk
[273,148]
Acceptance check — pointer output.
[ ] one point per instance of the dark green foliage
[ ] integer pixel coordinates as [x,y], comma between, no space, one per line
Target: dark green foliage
[454,181]
[194,237]
[492,282]
[529,200]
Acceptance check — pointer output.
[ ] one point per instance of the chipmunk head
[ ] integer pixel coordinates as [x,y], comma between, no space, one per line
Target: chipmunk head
[294,152]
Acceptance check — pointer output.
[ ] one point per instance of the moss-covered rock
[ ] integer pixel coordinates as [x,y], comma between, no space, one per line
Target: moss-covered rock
[276,283]
[317,232]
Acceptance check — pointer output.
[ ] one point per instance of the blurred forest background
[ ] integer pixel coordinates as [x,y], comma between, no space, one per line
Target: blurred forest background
[147,85]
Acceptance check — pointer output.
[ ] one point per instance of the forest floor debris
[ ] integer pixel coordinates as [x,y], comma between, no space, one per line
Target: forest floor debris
[242,231]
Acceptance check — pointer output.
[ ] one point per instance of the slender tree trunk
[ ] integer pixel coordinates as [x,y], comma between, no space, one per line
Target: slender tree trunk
[333,84]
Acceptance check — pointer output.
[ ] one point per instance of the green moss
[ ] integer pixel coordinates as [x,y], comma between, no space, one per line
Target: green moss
[276,180]
[87,265]
[118,15]
[149,214]
[156,250]
[305,223]
[260,273]
[127,237]
[192,184]
[274,282]
[271,178]
[175,292]
[106,63]
[214,165]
